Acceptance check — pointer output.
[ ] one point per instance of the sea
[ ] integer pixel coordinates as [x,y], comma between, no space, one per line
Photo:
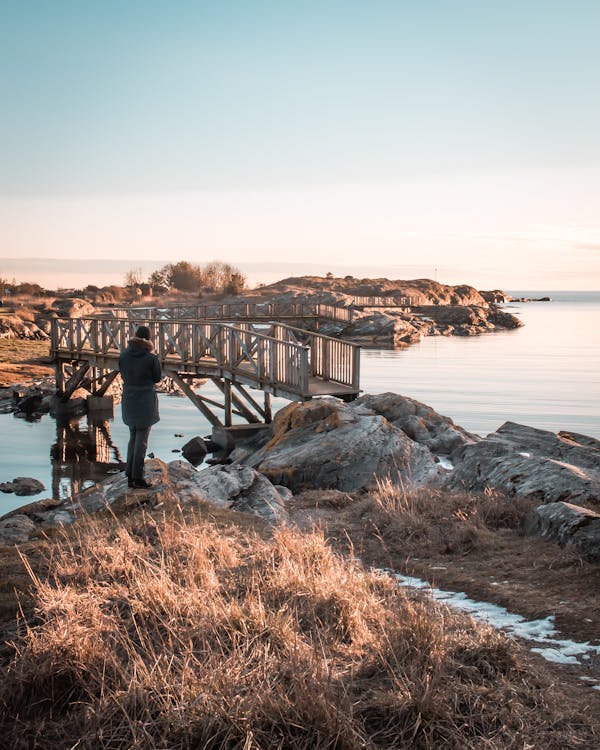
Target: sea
[545,374]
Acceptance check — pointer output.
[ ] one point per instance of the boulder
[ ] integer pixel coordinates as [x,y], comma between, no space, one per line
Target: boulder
[22,486]
[567,524]
[73,307]
[382,328]
[195,450]
[326,443]
[233,486]
[16,529]
[528,462]
[419,422]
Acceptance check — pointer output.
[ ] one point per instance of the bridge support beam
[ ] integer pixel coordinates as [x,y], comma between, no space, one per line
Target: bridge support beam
[66,386]
[198,401]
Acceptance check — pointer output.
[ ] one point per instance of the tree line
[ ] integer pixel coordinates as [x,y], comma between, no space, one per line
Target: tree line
[216,276]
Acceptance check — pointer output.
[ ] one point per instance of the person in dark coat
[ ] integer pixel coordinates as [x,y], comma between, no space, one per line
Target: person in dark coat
[140,370]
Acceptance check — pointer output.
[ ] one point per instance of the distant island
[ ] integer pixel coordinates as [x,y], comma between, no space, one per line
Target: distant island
[385,313]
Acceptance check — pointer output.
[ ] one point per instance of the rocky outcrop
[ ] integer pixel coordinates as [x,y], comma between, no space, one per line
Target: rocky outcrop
[495,296]
[237,487]
[30,401]
[326,443]
[382,329]
[73,307]
[569,525]
[436,309]
[14,327]
[466,320]
[422,291]
[523,461]
[420,422]
[389,328]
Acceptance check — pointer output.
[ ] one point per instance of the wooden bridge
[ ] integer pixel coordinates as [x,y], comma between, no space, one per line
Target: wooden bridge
[276,358]
[260,311]
[251,311]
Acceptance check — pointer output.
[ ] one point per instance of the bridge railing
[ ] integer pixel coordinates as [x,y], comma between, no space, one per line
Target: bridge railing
[217,311]
[383,301]
[331,359]
[236,310]
[186,344]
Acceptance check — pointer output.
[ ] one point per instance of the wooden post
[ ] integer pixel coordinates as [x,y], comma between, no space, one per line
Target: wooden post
[74,382]
[227,394]
[268,410]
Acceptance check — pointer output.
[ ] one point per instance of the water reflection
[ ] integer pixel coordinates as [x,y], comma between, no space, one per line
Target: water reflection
[82,455]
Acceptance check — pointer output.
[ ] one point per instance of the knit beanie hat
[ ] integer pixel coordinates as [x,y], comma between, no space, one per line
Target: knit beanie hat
[143,332]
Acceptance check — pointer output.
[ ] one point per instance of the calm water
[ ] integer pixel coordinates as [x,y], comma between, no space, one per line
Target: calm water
[546,374]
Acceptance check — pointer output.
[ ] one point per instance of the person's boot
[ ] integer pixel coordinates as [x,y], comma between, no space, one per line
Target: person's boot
[140,484]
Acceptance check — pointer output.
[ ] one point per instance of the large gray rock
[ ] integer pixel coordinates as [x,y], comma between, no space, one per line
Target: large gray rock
[382,328]
[567,524]
[527,462]
[326,443]
[419,422]
[17,529]
[73,307]
[232,486]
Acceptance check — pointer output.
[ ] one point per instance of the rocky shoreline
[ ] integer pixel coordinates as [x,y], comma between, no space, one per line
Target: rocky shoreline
[435,309]
[326,444]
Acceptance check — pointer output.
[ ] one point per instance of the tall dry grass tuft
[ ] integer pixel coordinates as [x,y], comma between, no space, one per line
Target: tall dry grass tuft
[434,519]
[174,634]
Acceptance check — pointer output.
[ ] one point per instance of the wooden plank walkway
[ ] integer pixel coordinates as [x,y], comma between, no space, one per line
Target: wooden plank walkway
[290,362]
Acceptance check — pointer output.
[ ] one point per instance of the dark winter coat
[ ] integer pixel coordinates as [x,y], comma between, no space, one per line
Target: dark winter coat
[140,370]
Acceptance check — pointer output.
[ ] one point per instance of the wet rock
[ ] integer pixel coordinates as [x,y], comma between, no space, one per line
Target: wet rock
[22,486]
[194,451]
[527,462]
[567,524]
[326,443]
[29,404]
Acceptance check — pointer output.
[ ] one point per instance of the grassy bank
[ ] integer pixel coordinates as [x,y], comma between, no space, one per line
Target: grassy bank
[173,631]
[23,360]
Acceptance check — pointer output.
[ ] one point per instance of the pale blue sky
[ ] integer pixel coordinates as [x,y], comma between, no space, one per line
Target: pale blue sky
[156,130]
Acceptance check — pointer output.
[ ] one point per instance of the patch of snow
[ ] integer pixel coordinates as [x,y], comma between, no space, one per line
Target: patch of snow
[542,632]
[445,462]
[525,455]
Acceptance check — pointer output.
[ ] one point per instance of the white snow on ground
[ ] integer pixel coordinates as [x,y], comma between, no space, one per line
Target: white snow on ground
[541,632]
[445,462]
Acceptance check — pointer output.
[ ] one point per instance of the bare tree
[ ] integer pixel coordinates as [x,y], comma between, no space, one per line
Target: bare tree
[134,277]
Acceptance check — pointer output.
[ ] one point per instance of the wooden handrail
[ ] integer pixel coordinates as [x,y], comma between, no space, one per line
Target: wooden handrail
[231,350]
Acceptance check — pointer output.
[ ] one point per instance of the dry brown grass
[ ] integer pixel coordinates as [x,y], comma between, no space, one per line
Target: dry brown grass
[173,633]
[429,519]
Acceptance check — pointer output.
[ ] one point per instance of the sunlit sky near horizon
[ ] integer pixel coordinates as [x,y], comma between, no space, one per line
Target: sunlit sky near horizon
[447,137]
